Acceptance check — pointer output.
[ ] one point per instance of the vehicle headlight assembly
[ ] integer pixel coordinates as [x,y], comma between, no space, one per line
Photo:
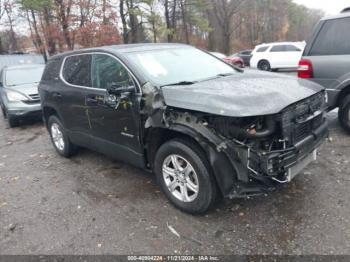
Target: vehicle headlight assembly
[14,96]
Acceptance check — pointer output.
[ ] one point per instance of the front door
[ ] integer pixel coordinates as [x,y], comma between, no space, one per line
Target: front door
[114,120]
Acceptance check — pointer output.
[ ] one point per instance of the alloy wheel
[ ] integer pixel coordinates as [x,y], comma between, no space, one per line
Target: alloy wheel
[264,66]
[57,136]
[180,178]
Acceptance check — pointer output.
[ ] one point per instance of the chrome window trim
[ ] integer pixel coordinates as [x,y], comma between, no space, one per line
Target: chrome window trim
[137,86]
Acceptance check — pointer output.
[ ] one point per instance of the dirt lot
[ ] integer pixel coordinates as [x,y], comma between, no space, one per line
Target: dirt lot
[92,205]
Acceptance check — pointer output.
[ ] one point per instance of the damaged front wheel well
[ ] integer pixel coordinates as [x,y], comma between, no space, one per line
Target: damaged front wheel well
[155,137]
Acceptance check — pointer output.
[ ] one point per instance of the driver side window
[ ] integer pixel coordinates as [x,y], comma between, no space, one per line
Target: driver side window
[107,71]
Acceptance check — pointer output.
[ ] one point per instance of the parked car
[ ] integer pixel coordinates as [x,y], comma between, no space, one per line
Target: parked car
[245,55]
[21,59]
[274,56]
[326,61]
[233,60]
[218,55]
[19,92]
[203,127]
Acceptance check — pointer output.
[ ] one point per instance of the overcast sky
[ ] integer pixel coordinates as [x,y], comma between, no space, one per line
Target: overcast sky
[331,7]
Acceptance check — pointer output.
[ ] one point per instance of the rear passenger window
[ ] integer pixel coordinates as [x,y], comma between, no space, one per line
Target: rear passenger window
[77,70]
[108,71]
[262,49]
[278,48]
[333,39]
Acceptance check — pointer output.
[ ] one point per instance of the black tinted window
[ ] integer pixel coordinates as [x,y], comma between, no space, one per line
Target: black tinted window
[77,70]
[292,48]
[52,70]
[333,39]
[262,49]
[107,71]
[278,48]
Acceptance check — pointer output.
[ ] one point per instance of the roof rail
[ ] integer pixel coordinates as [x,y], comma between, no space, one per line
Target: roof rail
[345,10]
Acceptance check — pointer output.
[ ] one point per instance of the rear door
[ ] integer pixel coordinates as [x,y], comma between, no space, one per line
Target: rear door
[70,97]
[330,53]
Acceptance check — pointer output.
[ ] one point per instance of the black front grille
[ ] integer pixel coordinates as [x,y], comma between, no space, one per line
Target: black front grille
[302,118]
[301,131]
[31,102]
[304,129]
[34,96]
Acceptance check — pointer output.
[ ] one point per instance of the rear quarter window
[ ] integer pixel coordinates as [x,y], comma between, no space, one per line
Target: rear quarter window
[52,70]
[292,48]
[77,70]
[278,48]
[333,38]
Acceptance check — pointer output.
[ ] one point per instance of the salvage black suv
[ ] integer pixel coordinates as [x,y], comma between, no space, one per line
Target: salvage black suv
[204,128]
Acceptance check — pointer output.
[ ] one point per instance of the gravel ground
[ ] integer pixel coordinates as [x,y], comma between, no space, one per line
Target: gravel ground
[91,204]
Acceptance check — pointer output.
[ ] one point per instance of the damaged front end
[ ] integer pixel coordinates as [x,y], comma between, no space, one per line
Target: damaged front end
[249,155]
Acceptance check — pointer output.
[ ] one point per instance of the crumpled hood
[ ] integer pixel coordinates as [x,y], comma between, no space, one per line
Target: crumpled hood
[26,89]
[241,95]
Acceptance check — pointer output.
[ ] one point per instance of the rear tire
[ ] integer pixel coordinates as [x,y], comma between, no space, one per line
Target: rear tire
[191,174]
[264,65]
[344,113]
[59,138]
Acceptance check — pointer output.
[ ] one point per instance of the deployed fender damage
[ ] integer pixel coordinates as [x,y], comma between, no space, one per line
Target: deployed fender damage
[249,154]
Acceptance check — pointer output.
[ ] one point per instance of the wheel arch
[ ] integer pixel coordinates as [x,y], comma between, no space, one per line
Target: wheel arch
[342,94]
[264,60]
[49,111]
[225,174]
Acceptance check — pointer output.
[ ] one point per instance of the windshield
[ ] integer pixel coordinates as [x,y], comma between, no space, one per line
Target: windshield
[170,66]
[22,76]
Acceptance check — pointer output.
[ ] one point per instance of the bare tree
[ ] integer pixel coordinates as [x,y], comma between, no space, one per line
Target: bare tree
[8,8]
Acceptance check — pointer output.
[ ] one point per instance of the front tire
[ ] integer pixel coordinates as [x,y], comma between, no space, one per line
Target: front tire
[59,138]
[344,113]
[185,176]
[264,65]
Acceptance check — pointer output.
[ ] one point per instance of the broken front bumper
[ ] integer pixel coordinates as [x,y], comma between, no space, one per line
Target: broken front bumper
[268,169]
[277,162]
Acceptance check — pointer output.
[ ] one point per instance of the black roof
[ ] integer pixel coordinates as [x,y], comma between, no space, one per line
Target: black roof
[125,48]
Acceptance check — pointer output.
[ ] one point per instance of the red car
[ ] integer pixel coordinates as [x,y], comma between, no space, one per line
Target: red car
[233,60]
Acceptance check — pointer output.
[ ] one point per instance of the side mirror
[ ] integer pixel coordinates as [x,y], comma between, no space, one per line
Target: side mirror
[115,89]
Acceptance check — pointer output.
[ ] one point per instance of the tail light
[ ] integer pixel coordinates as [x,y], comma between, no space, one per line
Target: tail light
[305,69]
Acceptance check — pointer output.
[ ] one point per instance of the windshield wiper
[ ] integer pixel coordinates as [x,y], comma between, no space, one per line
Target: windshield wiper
[181,83]
[217,76]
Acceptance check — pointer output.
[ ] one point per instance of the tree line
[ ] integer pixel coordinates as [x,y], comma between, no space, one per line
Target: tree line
[53,26]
